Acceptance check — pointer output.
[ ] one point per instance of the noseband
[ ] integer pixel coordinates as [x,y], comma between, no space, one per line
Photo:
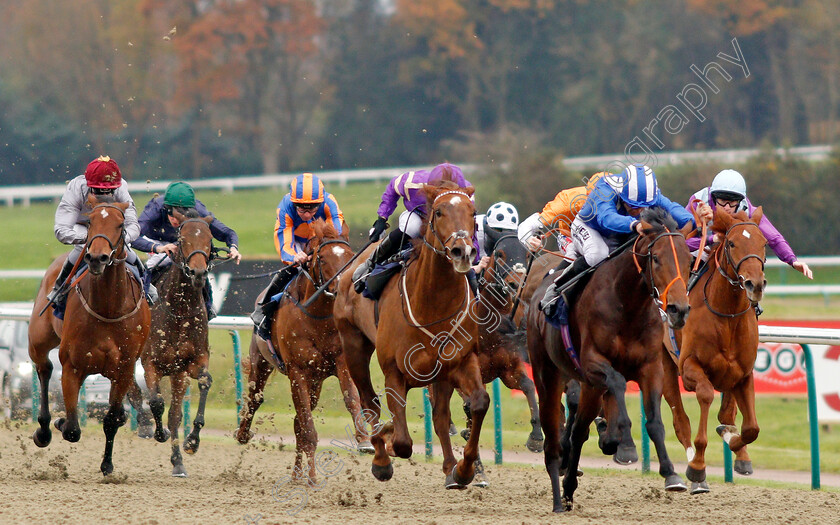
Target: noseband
[654,293]
[113,245]
[456,235]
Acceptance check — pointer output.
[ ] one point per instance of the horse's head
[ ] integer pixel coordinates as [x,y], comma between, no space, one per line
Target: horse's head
[451,223]
[195,244]
[743,251]
[106,232]
[330,252]
[663,257]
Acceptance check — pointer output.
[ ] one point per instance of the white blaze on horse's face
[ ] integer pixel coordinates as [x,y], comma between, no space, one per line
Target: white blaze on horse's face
[338,251]
[104,214]
[455,200]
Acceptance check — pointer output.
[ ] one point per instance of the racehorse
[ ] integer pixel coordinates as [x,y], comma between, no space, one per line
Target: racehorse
[178,345]
[105,324]
[614,325]
[719,344]
[424,335]
[308,343]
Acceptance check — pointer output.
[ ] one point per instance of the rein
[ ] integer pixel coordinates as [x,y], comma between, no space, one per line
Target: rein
[303,307]
[655,294]
[737,282]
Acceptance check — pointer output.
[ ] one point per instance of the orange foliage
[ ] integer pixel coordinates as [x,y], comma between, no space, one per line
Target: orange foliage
[744,17]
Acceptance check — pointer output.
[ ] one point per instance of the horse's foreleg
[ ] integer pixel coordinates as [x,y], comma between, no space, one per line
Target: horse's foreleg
[180,382]
[156,404]
[550,385]
[351,401]
[469,380]
[144,420]
[605,377]
[71,382]
[705,392]
[205,381]
[115,418]
[396,391]
[726,416]
[671,392]
[44,367]
[744,393]
[651,392]
[440,394]
[588,408]
[257,377]
[306,437]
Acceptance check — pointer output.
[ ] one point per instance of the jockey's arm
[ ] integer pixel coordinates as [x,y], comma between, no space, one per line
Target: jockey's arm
[66,216]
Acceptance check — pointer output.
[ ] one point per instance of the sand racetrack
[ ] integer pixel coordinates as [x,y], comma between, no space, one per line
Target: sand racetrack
[229,483]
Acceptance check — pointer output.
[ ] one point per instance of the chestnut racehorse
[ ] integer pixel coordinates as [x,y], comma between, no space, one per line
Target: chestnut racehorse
[719,343]
[308,343]
[425,335]
[106,322]
[616,327]
[178,345]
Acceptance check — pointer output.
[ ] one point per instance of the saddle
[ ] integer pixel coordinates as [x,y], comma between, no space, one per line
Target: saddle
[378,278]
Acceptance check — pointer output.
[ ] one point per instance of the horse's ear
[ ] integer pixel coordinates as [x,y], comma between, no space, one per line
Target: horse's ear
[721,221]
[92,200]
[345,231]
[430,191]
[122,205]
[208,219]
[180,216]
[469,190]
[757,215]
[688,230]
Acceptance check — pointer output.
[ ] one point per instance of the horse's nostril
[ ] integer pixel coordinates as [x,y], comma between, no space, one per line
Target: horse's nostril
[103,258]
[457,252]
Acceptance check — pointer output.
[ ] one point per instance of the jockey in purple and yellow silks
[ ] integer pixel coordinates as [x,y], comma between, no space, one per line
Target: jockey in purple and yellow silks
[306,202]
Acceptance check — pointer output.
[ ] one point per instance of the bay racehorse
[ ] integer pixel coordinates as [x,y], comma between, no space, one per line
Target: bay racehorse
[424,334]
[178,346]
[719,344]
[307,342]
[616,327]
[105,324]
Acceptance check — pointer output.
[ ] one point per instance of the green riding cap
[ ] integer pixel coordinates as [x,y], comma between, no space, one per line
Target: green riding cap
[179,194]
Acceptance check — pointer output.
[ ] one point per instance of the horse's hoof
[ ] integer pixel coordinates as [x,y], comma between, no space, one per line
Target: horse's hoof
[743,467]
[243,437]
[626,454]
[695,475]
[699,488]
[579,473]
[178,471]
[453,431]
[566,505]
[107,468]
[535,445]
[191,444]
[465,434]
[674,483]
[452,482]
[145,431]
[365,447]
[382,473]
[59,423]
[162,435]
[480,480]
[42,437]
[727,432]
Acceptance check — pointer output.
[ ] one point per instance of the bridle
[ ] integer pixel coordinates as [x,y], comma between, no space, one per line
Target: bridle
[738,281]
[458,234]
[185,258]
[120,244]
[319,278]
[660,299]
[501,270]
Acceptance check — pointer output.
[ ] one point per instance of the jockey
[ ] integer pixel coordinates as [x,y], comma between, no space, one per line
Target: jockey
[558,214]
[102,178]
[729,192]
[501,218]
[608,216]
[406,186]
[306,202]
[159,231]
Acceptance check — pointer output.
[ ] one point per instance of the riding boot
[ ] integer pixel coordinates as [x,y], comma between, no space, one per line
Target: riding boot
[552,297]
[207,293]
[262,314]
[472,278]
[59,292]
[695,275]
[145,277]
[388,247]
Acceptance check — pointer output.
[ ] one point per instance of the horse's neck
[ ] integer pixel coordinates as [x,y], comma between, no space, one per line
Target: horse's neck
[106,294]
[178,290]
[304,288]
[630,285]
[435,277]
[723,296]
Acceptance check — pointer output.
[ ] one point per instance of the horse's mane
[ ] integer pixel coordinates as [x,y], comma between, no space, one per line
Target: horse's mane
[104,198]
[324,230]
[659,219]
[722,225]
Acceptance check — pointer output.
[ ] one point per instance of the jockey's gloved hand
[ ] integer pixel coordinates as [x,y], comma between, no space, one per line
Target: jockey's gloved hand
[377,229]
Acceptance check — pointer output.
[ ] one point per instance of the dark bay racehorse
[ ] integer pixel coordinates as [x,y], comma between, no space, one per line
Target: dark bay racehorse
[719,343]
[178,346]
[308,344]
[616,327]
[425,335]
[105,324]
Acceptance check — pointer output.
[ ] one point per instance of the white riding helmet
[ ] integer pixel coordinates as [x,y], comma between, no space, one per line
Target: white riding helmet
[730,185]
[502,215]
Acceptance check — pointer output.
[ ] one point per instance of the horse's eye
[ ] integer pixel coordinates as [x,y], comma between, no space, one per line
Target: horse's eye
[731,244]
[438,213]
[655,259]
